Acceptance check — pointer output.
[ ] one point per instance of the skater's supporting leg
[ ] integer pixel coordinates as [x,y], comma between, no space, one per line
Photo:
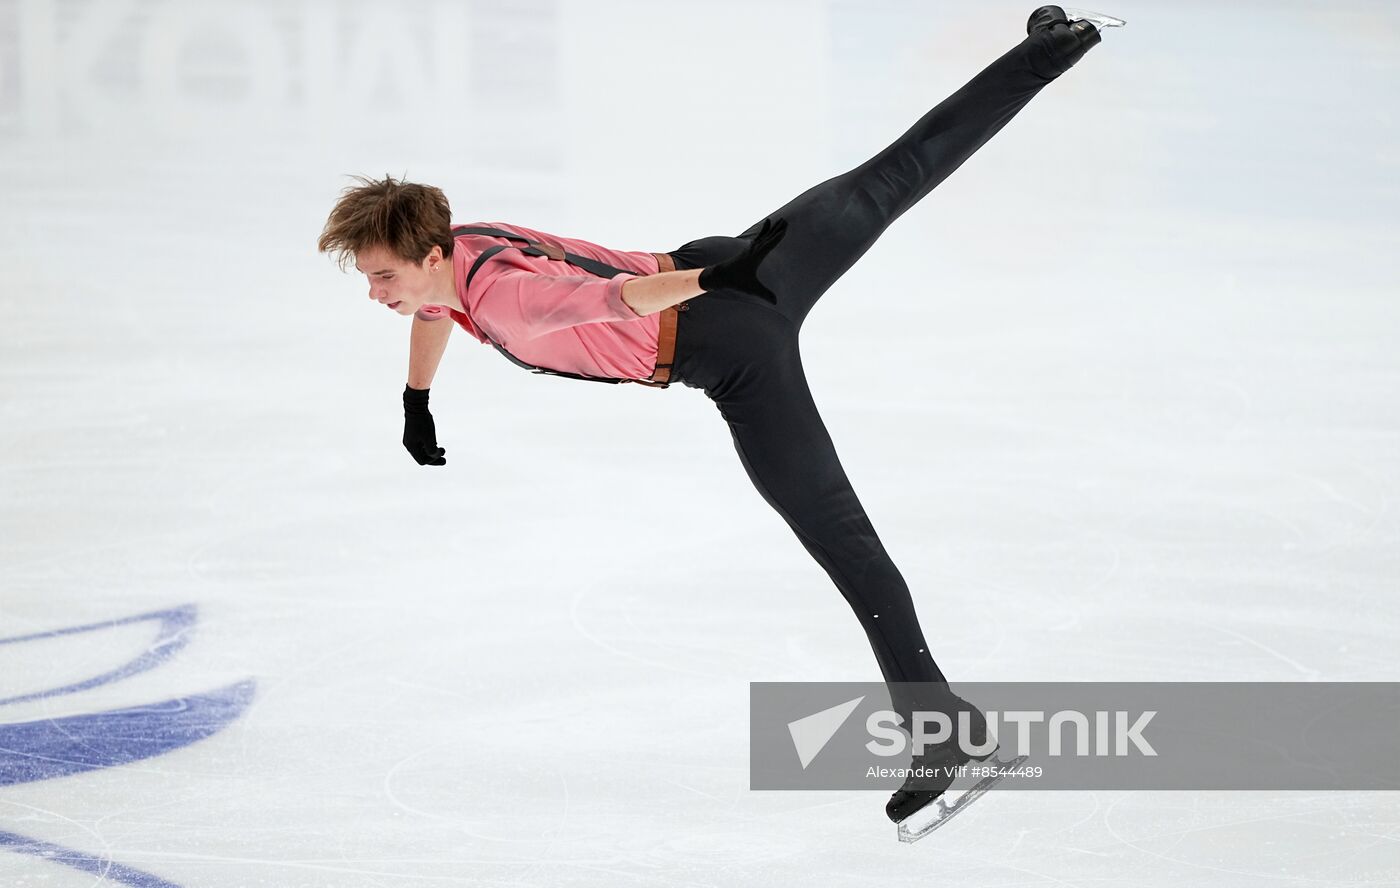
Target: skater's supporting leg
[833,224]
[788,454]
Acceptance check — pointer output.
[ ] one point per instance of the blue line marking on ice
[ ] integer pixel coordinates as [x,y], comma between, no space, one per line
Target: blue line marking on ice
[176,624]
[57,747]
[102,867]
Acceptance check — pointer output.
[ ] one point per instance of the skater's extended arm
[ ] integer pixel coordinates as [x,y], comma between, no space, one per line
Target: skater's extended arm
[426,344]
[524,304]
[659,291]
[655,292]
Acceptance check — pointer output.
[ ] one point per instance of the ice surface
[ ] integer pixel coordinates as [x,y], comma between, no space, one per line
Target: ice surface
[1120,397]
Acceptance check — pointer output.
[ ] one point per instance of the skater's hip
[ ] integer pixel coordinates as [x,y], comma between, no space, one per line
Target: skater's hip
[706,251]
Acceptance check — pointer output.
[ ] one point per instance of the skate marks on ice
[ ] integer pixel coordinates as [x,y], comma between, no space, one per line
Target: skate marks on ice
[938,812]
[48,748]
[104,868]
[1213,837]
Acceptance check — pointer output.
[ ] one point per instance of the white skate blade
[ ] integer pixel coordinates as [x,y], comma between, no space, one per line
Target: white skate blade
[1097,19]
[938,812]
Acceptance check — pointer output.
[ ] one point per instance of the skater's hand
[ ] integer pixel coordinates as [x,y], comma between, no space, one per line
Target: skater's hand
[419,433]
[741,272]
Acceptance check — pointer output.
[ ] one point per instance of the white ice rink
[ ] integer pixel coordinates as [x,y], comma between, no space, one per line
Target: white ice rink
[1122,397]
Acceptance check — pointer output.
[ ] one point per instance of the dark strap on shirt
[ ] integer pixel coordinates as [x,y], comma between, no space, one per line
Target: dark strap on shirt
[551,251]
[535,248]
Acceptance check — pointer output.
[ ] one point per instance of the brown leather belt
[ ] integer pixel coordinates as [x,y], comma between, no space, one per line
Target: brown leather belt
[666,336]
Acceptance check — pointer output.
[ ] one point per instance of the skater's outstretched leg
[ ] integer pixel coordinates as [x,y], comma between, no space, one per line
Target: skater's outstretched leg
[833,224]
[791,460]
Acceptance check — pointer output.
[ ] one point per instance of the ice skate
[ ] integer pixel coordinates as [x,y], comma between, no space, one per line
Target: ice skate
[1097,19]
[1046,16]
[1072,32]
[926,812]
[919,806]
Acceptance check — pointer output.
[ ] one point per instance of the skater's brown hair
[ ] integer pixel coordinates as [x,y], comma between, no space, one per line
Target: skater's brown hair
[405,218]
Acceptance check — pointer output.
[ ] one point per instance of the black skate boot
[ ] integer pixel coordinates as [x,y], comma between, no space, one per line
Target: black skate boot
[919,806]
[1069,34]
[1046,16]
[939,765]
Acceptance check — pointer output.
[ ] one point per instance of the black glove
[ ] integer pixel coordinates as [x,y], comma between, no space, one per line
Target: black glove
[419,433]
[741,272]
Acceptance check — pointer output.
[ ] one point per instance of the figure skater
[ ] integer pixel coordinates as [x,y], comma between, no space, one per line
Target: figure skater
[720,314]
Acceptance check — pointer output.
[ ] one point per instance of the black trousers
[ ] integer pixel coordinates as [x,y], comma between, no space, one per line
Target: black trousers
[743,352]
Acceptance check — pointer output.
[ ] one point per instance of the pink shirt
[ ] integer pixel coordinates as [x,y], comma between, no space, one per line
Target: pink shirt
[550,313]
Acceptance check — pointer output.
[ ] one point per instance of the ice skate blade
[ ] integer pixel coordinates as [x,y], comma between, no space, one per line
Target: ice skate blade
[931,816]
[1097,19]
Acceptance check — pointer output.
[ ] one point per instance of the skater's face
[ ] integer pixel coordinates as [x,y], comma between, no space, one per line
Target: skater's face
[403,287]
